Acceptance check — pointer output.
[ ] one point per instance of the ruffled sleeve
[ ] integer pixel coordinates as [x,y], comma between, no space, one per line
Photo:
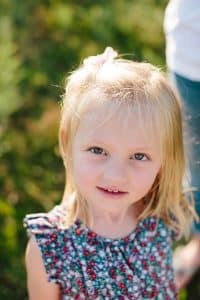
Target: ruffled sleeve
[44,227]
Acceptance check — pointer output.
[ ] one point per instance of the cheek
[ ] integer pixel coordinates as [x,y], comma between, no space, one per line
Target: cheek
[145,179]
[84,172]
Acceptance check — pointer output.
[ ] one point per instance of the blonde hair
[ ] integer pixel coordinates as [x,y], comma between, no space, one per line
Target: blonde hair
[144,88]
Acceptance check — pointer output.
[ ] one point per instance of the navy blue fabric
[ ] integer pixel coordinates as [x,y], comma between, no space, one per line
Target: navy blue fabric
[190,94]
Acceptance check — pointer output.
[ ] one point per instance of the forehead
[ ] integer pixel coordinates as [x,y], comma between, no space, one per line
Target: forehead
[121,123]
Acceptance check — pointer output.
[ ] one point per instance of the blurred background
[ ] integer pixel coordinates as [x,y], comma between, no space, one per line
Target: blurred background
[41,41]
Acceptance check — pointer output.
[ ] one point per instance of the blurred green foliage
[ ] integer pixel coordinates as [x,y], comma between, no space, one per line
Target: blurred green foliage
[41,41]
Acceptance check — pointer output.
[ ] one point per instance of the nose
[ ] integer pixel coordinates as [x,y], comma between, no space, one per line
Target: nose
[115,172]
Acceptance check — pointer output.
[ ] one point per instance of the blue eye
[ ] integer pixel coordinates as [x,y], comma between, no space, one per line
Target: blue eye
[97,150]
[140,156]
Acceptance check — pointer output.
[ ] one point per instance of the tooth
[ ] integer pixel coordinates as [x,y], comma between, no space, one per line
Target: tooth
[113,190]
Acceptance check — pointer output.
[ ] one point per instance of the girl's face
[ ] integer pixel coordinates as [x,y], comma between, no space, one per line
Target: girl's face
[114,161]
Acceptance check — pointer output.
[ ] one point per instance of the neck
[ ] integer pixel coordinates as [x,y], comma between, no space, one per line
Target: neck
[115,224]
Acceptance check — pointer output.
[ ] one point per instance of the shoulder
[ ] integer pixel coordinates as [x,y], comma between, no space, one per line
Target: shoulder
[156,259]
[155,230]
[156,243]
[48,228]
[47,240]
[160,237]
[45,222]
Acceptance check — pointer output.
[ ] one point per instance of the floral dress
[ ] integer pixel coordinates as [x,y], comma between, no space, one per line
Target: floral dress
[89,266]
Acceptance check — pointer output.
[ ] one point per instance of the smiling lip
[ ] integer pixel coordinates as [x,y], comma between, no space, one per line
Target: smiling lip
[114,195]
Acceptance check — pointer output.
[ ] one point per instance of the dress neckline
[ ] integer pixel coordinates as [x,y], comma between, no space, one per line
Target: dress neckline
[81,228]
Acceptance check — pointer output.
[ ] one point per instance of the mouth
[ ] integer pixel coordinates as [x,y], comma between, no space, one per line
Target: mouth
[112,192]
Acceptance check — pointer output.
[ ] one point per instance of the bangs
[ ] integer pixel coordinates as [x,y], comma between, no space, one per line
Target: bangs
[125,104]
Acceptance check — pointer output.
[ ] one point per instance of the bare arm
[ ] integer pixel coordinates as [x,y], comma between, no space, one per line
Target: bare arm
[38,286]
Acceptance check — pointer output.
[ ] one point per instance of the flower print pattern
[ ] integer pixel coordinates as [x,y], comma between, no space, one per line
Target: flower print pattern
[89,266]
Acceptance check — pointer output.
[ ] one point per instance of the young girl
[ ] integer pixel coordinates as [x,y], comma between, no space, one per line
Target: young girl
[122,146]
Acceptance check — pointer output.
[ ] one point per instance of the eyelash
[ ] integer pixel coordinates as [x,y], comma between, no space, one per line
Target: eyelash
[92,150]
[100,151]
[143,156]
